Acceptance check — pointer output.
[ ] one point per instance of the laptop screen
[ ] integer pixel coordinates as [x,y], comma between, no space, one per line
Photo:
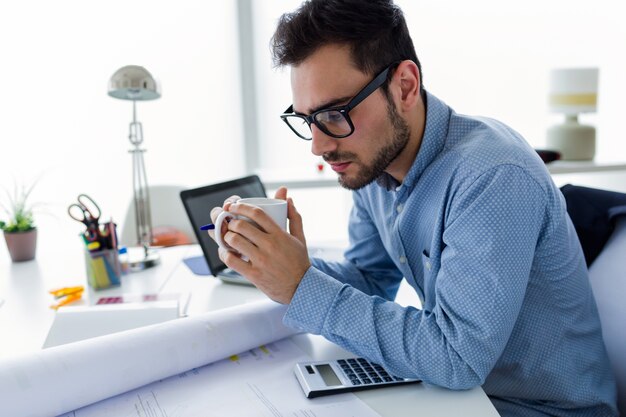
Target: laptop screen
[198,203]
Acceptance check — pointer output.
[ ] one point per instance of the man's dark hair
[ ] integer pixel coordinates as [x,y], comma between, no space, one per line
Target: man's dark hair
[375,31]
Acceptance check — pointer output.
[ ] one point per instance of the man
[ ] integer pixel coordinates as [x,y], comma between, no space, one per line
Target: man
[461,207]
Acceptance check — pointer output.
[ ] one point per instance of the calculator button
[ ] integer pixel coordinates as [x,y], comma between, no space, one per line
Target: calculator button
[398,379]
[367,381]
[357,368]
[355,382]
[383,373]
[341,361]
[388,379]
[352,361]
[377,379]
[362,361]
[368,369]
[349,373]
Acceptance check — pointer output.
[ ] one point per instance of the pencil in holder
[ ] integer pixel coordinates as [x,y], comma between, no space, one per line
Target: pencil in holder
[103,268]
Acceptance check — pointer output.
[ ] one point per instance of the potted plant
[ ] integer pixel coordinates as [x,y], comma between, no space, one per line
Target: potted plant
[20,232]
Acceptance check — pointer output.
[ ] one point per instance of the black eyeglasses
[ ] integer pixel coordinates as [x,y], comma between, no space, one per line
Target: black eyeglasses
[333,121]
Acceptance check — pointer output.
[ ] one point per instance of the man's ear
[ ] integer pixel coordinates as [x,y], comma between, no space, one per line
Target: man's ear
[408,77]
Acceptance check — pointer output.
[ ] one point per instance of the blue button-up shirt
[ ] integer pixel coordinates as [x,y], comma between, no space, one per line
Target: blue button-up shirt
[481,233]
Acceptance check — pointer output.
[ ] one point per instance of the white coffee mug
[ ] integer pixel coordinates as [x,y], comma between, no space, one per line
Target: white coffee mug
[273,207]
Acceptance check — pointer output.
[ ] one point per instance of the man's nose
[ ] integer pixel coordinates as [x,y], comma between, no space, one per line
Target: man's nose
[321,143]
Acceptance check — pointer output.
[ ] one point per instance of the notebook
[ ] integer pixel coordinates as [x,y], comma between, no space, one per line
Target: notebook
[198,203]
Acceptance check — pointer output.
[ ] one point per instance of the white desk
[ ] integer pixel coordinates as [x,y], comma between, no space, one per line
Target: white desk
[25,319]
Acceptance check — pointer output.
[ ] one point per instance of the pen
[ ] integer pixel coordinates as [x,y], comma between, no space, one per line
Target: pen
[211,226]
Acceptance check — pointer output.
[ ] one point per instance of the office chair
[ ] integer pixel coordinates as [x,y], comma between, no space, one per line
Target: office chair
[599,217]
[170,224]
[608,281]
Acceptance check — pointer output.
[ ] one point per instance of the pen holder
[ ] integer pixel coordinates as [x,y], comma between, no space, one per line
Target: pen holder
[103,268]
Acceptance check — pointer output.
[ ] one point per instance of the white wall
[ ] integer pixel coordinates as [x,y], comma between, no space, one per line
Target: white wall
[493,58]
[482,57]
[56,118]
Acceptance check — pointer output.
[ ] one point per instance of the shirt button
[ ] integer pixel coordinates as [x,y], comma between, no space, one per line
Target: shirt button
[399,208]
[428,265]
[402,260]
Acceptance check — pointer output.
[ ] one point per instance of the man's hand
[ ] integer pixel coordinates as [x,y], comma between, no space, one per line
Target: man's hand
[216,211]
[277,260]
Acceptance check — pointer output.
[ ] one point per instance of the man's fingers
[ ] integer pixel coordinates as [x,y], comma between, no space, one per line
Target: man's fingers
[296,227]
[244,228]
[233,261]
[281,193]
[230,200]
[216,211]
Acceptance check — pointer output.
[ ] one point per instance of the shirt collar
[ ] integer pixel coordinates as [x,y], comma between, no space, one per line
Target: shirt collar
[433,141]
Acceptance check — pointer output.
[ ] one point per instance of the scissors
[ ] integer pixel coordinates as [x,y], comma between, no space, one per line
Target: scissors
[85,211]
[88,212]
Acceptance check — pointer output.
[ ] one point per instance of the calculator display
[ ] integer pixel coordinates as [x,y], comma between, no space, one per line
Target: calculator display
[328,375]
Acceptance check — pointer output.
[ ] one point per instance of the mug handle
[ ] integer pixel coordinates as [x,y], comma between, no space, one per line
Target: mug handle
[218,230]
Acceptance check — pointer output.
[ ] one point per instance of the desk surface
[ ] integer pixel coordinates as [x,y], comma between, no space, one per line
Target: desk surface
[25,320]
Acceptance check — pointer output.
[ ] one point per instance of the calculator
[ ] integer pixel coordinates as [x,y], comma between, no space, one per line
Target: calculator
[343,375]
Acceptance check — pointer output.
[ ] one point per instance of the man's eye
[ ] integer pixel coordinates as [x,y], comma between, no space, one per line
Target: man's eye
[330,117]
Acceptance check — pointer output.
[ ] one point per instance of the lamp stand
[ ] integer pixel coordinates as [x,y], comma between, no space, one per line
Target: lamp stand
[143,216]
[575,141]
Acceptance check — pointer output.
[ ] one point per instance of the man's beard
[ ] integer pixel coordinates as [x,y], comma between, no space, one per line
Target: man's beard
[385,156]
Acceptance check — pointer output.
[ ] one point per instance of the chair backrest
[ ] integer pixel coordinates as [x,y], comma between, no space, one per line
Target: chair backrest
[167,210]
[608,281]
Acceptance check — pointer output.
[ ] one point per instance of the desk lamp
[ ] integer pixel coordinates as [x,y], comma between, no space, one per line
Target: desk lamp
[135,83]
[573,91]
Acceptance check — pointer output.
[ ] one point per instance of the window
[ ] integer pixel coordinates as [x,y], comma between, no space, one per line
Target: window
[57,118]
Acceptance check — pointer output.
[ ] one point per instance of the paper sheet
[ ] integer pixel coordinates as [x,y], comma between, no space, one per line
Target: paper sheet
[259,382]
[65,378]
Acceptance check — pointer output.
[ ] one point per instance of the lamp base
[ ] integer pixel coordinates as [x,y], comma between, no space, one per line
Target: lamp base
[574,141]
[137,259]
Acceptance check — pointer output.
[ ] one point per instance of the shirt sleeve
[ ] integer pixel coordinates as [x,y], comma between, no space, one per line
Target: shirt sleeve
[480,286]
[367,265]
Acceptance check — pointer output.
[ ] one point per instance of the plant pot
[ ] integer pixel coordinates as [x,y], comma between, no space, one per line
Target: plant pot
[22,245]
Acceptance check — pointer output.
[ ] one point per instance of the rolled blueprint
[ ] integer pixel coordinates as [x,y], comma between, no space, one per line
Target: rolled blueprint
[64,378]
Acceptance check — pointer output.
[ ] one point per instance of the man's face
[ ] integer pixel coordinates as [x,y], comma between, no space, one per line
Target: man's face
[328,78]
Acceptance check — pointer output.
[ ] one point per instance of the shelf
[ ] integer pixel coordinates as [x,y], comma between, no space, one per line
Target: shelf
[578,167]
[301,183]
[329,179]
[273,179]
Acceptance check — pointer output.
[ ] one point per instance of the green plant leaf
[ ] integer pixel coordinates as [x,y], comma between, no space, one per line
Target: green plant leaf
[20,215]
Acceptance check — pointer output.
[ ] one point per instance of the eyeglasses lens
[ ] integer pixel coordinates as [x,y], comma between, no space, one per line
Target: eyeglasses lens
[300,126]
[334,122]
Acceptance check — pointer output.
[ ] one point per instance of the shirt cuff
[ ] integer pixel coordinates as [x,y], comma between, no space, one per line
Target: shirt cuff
[312,301]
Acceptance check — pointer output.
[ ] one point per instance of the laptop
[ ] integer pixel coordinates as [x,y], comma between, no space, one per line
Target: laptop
[198,203]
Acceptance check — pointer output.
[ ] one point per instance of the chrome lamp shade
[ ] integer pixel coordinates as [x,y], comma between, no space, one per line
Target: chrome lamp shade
[133,82]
